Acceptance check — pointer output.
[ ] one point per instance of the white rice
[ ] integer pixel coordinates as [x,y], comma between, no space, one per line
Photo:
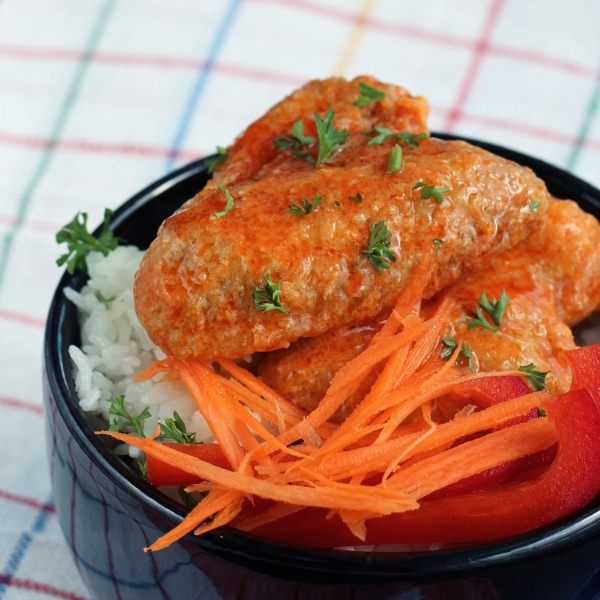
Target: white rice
[115,347]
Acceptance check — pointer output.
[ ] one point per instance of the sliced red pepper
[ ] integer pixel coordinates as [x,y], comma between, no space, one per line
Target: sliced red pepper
[487,391]
[162,474]
[585,367]
[570,483]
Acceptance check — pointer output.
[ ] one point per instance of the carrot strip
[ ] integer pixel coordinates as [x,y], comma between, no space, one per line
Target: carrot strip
[409,301]
[216,500]
[475,456]
[350,375]
[341,496]
[273,513]
[219,428]
[160,366]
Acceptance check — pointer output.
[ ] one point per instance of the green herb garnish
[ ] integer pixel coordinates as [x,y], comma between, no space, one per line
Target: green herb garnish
[330,139]
[106,301]
[143,466]
[394,159]
[358,198]
[368,94]
[80,241]
[411,139]
[188,500]
[533,205]
[118,409]
[213,161]
[268,299]
[229,204]
[174,429]
[537,379]
[383,133]
[438,243]
[429,191]
[306,209]
[495,309]
[541,412]
[295,139]
[449,346]
[379,252]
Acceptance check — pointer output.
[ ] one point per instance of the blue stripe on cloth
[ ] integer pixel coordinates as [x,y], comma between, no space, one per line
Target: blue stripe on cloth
[23,544]
[200,83]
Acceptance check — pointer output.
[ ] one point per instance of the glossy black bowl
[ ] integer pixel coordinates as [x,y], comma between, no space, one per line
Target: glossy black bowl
[109,514]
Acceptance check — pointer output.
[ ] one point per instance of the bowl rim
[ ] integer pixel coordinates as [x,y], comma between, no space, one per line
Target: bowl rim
[259,553]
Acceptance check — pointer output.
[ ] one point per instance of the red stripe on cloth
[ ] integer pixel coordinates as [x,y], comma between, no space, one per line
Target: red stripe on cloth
[21,405]
[473,69]
[26,501]
[41,588]
[139,60]
[14,139]
[43,226]
[9,315]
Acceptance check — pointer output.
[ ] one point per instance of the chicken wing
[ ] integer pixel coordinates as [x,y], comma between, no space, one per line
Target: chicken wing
[553,281]
[195,288]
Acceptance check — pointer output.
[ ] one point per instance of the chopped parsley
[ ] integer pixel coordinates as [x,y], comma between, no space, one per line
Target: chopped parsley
[533,205]
[358,198]
[118,409]
[268,299]
[438,243]
[383,133]
[449,346]
[379,252]
[80,241]
[174,429]
[541,412]
[431,191]
[537,379]
[229,204]
[336,203]
[306,208]
[188,500]
[295,138]
[495,310]
[106,301]
[411,139]
[394,159]
[212,161]
[368,94]
[143,466]
[330,139]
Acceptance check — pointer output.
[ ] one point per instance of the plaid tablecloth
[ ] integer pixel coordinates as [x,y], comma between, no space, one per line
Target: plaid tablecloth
[100,97]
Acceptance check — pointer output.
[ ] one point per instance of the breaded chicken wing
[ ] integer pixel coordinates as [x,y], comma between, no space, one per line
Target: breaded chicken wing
[552,278]
[195,292]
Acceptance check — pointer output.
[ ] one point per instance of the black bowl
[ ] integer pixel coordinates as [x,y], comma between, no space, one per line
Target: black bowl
[108,513]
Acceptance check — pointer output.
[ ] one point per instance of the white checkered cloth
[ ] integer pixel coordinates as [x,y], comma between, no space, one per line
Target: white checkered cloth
[100,97]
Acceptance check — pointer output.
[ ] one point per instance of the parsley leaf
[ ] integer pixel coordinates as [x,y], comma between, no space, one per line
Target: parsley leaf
[537,379]
[368,94]
[297,209]
[358,198]
[450,346]
[80,241]
[106,301]
[428,191]
[379,252]
[330,138]
[143,469]
[295,139]
[438,243]
[411,139]
[268,299]
[118,409]
[383,134]
[541,412]
[533,205]
[188,500]
[394,159]
[229,204]
[174,429]
[212,161]
[495,309]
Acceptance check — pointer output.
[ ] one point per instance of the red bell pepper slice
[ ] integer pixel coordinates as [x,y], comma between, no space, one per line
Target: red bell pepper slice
[585,367]
[569,484]
[487,391]
[161,474]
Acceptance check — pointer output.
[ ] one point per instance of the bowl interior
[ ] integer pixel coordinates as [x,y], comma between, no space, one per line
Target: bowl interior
[137,222]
